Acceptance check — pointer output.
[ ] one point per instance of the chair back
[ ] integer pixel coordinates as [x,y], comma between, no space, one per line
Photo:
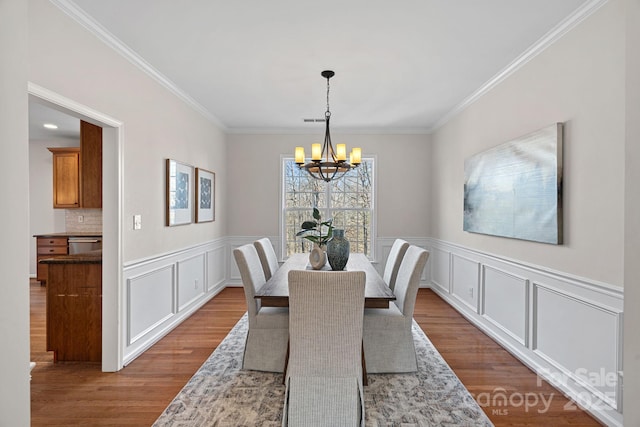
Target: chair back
[267,256]
[394,260]
[408,279]
[326,312]
[252,275]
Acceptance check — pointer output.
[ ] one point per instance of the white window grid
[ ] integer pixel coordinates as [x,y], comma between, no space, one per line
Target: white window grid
[349,201]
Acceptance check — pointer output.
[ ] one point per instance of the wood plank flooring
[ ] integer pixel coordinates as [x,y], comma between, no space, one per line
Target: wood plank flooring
[79,394]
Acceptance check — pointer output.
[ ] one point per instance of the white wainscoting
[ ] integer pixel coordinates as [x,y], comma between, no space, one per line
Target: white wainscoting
[465,273]
[565,328]
[162,291]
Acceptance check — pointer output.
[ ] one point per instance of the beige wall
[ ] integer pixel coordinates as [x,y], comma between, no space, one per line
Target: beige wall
[68,60]
[14,292]
[578,80]
[402,168]
[632,220]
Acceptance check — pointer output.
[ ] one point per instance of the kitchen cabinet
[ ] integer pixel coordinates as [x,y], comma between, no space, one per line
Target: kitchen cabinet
[77,171]
[66,177]
[74,307]
[90,166]
[46,248]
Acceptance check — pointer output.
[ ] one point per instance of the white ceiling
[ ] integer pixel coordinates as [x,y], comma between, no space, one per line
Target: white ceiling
[39,115]
[254,65]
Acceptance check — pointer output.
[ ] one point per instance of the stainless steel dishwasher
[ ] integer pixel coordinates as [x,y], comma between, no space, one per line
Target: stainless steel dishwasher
[78,245]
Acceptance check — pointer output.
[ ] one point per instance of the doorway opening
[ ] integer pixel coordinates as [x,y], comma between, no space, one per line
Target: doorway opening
[111,215]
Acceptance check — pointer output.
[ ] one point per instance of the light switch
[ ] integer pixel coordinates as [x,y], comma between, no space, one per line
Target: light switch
[137,222]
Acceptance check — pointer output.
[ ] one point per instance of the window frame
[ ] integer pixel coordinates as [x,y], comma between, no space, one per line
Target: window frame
[374,210]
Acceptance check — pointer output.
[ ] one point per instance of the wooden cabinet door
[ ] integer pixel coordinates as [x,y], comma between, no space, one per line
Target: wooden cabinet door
[66,178]
[74,312]
[90,165]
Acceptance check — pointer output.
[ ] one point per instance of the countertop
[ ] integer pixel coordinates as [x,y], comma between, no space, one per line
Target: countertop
[91,257]
[71,234]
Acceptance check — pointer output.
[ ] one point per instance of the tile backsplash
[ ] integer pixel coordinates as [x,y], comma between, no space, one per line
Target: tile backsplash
[91,220]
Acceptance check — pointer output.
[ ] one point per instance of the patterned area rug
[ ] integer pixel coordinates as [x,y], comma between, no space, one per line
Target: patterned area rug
[221,394]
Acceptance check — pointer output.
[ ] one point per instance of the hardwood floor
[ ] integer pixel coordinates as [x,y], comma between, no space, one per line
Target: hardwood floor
[74,394]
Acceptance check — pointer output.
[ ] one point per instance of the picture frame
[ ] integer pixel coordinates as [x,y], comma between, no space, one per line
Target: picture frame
[179,193]
[205,195]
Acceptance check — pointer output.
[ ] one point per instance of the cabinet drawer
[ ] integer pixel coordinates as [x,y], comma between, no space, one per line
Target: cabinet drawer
[52,241]
[54,250]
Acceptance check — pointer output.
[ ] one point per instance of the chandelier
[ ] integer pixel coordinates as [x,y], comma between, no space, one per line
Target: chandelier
[326,163]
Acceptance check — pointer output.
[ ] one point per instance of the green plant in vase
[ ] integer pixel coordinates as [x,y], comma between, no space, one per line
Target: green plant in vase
[314,231]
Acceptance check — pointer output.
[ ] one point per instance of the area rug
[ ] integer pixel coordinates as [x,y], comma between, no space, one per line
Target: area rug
[222,394]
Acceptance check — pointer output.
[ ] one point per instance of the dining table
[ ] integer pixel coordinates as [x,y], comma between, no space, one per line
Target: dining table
[275,292]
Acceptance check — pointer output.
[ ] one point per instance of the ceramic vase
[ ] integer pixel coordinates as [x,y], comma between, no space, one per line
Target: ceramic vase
[338,250]
[317,257]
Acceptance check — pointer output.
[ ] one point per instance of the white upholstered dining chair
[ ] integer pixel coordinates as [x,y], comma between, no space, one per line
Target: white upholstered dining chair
[388,341]
[324,370]
[268,257]
[266,344]
[394,259]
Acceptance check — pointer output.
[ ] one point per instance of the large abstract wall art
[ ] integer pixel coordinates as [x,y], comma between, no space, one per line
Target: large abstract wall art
[515,189]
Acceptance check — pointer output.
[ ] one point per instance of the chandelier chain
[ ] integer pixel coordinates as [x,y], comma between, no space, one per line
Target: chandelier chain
[327,113]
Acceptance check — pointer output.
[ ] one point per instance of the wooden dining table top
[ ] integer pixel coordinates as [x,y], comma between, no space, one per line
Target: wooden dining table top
[275,293]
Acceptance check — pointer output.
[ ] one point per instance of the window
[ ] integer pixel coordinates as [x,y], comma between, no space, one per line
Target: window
[349,201]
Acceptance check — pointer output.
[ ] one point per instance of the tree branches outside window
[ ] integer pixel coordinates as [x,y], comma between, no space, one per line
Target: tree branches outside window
[349,201]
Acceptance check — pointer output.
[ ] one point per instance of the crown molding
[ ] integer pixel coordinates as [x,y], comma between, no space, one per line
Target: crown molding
[85,20]
[538,47]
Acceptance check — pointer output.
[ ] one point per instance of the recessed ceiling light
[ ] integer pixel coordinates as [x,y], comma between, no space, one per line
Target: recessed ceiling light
[50,126]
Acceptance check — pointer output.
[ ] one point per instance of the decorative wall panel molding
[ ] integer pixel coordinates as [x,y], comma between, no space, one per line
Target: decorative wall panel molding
[191,284]
[153,289]
[566,328]
[162,291]
[440,269]
[216,268]
[499,286]
[561,340]
[465,280]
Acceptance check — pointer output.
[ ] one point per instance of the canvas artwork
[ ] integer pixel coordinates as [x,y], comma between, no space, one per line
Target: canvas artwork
[178,193]
[205,195]
[515,189]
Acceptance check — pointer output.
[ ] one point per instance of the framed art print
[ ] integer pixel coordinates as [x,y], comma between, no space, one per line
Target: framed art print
[515,189]
[205,195]
[179,199]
